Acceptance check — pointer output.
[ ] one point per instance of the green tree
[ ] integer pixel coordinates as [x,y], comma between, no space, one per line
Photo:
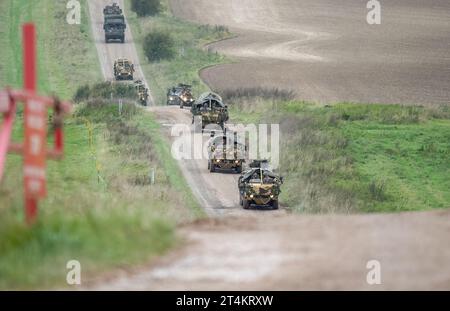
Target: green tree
[159,45]
[146,7]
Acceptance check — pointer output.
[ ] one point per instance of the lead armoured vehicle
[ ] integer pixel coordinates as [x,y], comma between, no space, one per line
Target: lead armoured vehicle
[123,69]
[142,92]
[209,108]
[225,153]
[180,95]
[259,186]
[114,27]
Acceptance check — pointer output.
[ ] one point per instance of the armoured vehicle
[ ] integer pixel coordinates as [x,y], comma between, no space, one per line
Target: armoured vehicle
[180,95]
[114,27]
[225,153]
[210,109]
[259,186]
[142,92]
[112,9]
[123,69]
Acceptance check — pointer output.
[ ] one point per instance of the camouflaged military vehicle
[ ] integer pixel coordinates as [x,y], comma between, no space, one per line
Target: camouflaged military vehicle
[209,108]
[225,153]
[114,27]
[180,95]
[113,9]
[123,69]
[259,186]
[142,92]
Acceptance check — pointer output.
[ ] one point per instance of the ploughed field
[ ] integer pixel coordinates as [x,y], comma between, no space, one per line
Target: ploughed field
[325,50]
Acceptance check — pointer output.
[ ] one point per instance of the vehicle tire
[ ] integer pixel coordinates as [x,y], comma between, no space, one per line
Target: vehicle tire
[122,40]
[239,169]
[209,165]
[275,204]
[181,106]
[245,204]
[212,168]
[240,200]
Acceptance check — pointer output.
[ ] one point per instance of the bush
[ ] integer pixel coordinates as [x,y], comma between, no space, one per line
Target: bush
[146,7]
[104,90]
[159,45]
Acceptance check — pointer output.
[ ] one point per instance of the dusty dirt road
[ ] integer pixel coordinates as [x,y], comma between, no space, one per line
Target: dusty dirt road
[237,250]
[326,51]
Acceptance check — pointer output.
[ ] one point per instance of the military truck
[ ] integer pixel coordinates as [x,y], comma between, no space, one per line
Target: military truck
[225,152]
[114,26]
[259,186]
[180,95]
[112,9]
[209,109]
[123,69]
[142,92]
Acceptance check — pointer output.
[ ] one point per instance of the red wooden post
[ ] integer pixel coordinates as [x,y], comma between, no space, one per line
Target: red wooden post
[34,148]
[35,130]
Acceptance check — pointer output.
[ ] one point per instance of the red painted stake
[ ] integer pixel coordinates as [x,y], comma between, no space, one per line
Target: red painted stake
[29,82]
[34,148]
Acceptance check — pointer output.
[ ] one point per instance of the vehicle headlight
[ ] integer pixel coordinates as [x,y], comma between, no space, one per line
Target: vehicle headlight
[272,196]
[218,160]
[251,196]
[237,161]
[171,97]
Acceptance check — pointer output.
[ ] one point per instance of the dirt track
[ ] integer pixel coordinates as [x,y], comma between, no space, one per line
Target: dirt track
[326,51]
[238,249]
[108,53]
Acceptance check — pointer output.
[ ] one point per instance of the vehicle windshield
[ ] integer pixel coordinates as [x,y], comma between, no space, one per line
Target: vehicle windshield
[114,24]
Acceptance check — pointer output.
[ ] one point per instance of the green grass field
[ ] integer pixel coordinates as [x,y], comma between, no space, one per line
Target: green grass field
[358,157]
[101,208]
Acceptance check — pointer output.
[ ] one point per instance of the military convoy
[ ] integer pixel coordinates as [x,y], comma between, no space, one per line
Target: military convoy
[114,23]
[259,186]
[180,95]
[209,109]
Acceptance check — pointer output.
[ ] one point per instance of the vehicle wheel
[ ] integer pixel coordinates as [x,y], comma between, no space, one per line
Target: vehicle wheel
[181,106]
[122,40]
[275,204]
[240,200]
[245,204]
[212,168]
[239,169]
[209,165]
